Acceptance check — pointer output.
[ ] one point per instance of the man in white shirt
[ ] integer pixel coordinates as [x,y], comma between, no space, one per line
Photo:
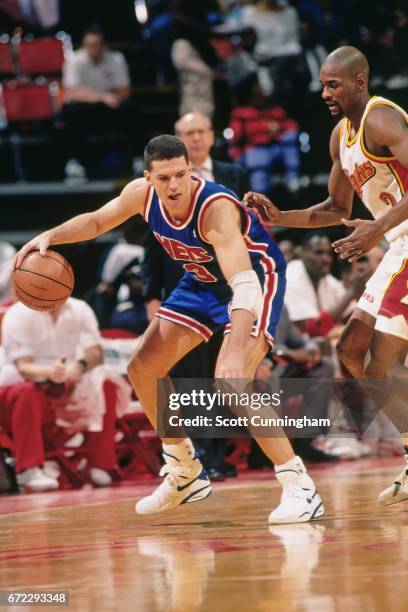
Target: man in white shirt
[315,299]
[49,355]
[97,95]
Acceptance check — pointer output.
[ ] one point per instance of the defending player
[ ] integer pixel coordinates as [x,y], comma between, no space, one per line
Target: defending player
[229,259]
[369,149]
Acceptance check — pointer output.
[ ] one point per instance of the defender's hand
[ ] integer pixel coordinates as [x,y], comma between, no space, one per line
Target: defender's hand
[263,207]
[366,235]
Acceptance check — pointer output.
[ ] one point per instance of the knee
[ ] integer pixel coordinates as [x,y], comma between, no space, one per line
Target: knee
[346,354]
[341,352]
[376,369]
[135,368]
[142,368]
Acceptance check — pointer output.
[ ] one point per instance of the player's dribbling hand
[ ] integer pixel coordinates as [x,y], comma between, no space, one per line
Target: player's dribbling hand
[39,243]
[366,235]
[263,207]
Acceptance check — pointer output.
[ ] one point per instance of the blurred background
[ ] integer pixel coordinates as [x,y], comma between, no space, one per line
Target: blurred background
[84,85]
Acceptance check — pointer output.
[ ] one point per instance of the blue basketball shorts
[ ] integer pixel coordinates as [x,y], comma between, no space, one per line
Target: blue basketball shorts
[205,309]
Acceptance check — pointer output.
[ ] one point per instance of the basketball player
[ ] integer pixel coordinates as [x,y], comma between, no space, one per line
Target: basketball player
[229,261]
[369,149]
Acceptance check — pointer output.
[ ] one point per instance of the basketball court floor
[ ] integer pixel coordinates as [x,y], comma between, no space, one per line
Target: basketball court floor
[217,555]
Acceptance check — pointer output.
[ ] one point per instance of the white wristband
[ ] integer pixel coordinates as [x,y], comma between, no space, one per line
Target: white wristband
[247,292]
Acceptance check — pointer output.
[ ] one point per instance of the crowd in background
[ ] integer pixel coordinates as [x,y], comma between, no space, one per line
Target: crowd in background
[247,75]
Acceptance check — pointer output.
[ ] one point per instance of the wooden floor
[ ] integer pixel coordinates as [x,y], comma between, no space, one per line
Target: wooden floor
[217,555]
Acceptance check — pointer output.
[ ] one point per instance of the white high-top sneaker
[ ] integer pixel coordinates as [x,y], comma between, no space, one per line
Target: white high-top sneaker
[300,501]
[186,482]
[398,491]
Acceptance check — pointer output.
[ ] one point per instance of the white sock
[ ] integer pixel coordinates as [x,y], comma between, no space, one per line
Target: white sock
[183,452]
[295,463]
[293,472]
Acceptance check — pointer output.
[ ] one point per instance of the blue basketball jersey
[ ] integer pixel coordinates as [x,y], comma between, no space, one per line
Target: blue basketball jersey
[201,300]
[186,243]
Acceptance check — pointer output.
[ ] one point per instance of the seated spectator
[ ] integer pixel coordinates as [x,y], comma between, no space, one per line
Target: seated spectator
[318,303]
[314,55]
[197,133]
[288,249]
[193,55]
[300,358]
[241,66]
[36,16]
[130,311]
[97,98]
[315,299]
[263,136]
[278,47]
[53,369]
[113,266]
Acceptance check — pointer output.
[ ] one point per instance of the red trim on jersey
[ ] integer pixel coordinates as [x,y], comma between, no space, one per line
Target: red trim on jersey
[401,172]
[184,222]
[269,294]
[393,303]
[214,198]
[256,246]
[147,202]
[186,321]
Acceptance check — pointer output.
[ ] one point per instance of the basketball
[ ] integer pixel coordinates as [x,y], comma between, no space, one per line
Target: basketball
[43,282]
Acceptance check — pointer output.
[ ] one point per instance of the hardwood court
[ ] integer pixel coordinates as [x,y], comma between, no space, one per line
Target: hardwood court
[218,554]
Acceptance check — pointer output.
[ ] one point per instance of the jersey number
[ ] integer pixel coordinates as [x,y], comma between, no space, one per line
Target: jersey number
[388,198]
[200,273]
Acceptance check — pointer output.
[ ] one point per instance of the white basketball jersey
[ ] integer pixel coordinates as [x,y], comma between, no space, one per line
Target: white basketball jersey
[380,182]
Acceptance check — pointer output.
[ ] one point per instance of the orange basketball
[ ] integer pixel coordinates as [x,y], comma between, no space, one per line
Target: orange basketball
[43,282]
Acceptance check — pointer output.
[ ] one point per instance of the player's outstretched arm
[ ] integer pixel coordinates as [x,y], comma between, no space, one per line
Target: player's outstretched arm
[385,127]
[336,207]
[221,227]
[90,225]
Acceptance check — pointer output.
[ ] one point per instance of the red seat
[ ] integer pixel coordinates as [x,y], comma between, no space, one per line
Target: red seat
[27,103]
[117,333]
[223,48]
[42,56]
[6,60]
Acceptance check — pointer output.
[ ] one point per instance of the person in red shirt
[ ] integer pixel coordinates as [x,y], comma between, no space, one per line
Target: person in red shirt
[263,137]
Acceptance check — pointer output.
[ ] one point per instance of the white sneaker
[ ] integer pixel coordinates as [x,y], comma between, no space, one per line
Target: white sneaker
[347,448]
[397,492]
[300,501]
[184,484]
[51,469]
[34,479]
[100,478]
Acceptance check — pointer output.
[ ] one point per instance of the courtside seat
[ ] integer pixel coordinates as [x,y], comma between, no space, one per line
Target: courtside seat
[6,57]
[27,103]
[43,56]
[31,130]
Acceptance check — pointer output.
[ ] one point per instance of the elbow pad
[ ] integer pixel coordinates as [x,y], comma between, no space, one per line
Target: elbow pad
[247,292]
